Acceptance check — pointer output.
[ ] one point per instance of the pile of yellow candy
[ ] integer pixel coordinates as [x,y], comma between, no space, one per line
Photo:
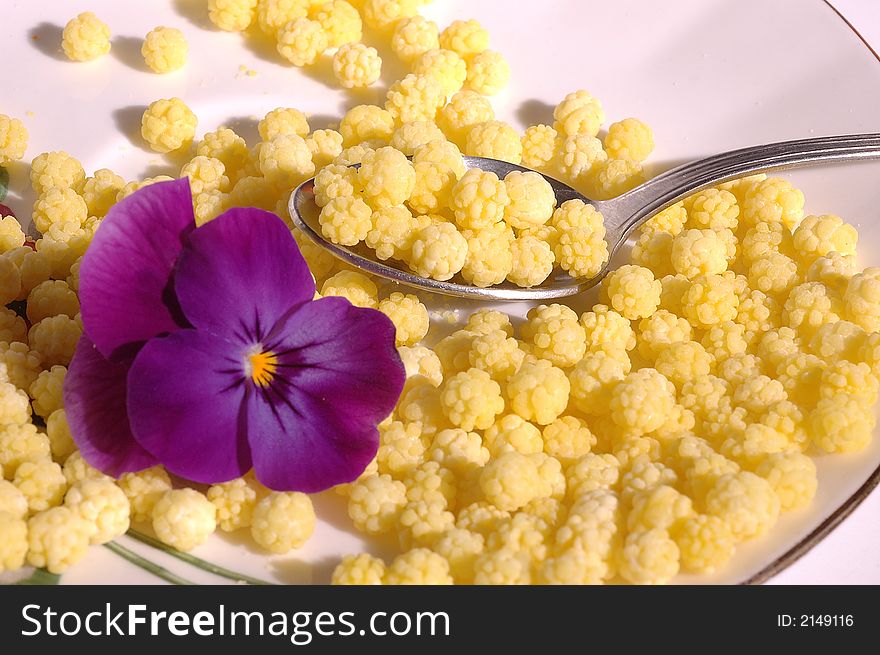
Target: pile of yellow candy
[649,435]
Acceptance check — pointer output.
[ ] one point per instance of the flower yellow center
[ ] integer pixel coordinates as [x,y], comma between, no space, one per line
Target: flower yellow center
[263,366]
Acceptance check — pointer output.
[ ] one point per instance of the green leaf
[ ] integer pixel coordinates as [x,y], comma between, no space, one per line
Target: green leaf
[41,577]
[4,183]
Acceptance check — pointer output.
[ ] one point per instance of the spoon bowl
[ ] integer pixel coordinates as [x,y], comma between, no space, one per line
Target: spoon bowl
[622,214]
[304,212]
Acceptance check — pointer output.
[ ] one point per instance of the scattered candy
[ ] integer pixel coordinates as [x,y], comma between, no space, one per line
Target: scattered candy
[85,37]
[165,49]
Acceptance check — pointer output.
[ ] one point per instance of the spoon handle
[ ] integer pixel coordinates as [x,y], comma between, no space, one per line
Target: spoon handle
[633,207]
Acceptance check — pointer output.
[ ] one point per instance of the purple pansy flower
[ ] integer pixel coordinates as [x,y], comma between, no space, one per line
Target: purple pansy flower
[203,351]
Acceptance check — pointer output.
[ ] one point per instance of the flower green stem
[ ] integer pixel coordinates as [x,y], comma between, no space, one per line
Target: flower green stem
[4,183]
[40,577]
[146,564]
[195,561]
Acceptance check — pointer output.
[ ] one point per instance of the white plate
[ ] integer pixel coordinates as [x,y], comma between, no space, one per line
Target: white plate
[708,75]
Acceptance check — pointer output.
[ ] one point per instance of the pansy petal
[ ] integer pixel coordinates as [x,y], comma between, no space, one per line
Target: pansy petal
[238,274]
[343,354]
[314,425]
[300,442]
[185,394]
[125,273]
[95,402]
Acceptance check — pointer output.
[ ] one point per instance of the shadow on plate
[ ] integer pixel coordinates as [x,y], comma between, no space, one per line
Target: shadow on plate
[535,112]
[245,127]
[261,46]
[46,37]
[128,121]
[321,71]
[241,539]
[127,49]
[323,122]
[333,509]
[171,167]
[295,571]
[196,12]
